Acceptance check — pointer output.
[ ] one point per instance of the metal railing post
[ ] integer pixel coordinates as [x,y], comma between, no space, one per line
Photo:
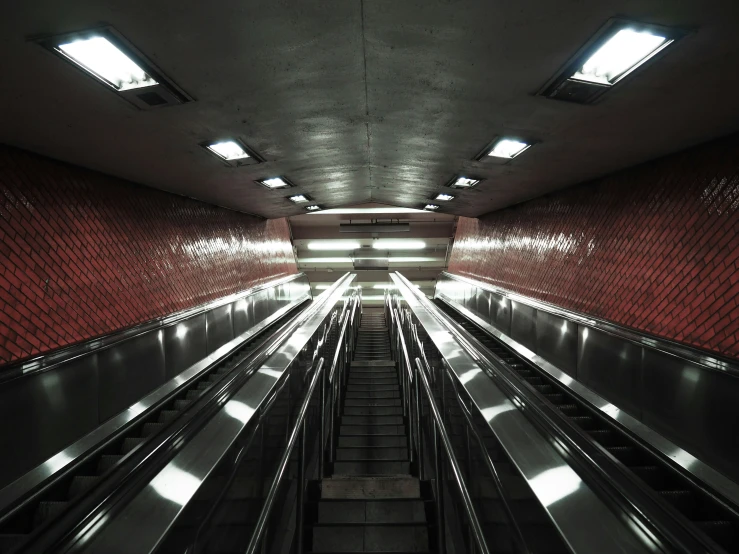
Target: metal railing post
[301,489]
[322,447]
[439,469]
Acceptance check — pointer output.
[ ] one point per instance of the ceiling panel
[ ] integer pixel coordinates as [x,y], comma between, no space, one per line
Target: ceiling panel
[366,100]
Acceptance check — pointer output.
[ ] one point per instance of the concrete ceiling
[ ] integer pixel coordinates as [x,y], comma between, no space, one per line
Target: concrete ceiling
[374,100]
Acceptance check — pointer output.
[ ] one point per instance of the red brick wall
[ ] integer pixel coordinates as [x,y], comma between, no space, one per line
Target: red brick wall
[654,247]
[84,254]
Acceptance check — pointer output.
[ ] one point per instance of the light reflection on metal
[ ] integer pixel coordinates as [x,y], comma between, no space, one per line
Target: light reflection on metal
[555,484]
[239,410]
[175,484]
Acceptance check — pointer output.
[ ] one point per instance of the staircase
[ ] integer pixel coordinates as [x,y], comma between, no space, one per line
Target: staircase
[371,502]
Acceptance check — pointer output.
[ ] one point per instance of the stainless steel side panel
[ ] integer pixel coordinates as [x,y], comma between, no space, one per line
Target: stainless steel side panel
[612,368]
[500,313]
[219,327]
[184,344]
[45,412]
[523,324]
[128,373]
[556,340]
[697,409]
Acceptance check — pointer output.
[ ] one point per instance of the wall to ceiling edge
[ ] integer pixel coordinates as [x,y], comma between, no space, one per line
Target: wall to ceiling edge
[654,247]
[85,254]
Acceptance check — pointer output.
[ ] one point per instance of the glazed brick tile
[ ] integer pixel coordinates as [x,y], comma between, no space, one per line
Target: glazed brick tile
[654,247]
[85,254]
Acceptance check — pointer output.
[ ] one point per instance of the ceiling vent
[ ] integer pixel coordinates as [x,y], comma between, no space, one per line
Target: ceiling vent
[106,56]
[374,227]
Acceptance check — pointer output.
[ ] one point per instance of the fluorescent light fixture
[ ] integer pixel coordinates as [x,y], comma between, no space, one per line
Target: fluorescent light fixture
[228,150]
[338,244]
[444,197]
[104,60]
[431,207]
[383,286]
[313,208]
[616,50]
[462,182]
[371,211]
[508,148]
[342,260]
[621,54]
[275,183]
[321,287]
[410,259]
[398,244]
[298,198]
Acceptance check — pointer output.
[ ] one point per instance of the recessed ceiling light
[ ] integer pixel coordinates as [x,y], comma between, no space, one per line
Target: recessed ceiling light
[104,60]
[342,260]
[105,55]
[464,182]
[431,207]
[228,150]
[619,48]
[622,53]
[444,197]
[338,244]
[508,148]
[298,198]
[398,244]
[275,183]
[313,208]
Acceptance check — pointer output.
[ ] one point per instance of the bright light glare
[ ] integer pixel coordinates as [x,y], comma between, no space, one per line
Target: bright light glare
[400,244]
[322,287]
[324,260]
[228,150]
[275,183]
[99,56]
[412,259]
[333,245]
[431,207]
[175,484]
[383,286]
[444,197]
[508,148]
[312,208]
[465,182]
[298,198]
[555,484]
[239,410]
[626,50]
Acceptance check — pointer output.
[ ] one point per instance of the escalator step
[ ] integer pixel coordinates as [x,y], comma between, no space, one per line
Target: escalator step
[192,394]
[682,500]
[130,443]
[556,398]
[627,455]
[584,422]
[81,484]
[651,475]
[107,462]
[181,404]
[568,409]
[723,532]
[150,429]
[47,510]
[165,416]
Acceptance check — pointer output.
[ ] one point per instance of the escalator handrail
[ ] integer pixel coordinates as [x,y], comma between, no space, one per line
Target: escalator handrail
[469,506]
[134,471]
[662,524]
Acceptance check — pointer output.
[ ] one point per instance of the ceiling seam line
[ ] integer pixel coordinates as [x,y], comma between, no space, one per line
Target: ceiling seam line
[366,100]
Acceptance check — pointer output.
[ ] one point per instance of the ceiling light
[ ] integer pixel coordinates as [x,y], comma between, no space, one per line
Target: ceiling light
[405,259]
[508,148]
[275,183]
[464,182]
[444,197]
[313,208]
[619,48]
[298,198]
[383,286]
[104,60]
[334,245]
[398,244]
[431,207]
[624,52]
[343,260]
[371,211]
[321,287]
[228,150]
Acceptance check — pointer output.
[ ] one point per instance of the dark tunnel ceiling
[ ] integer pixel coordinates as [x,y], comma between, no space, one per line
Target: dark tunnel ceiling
[381,100]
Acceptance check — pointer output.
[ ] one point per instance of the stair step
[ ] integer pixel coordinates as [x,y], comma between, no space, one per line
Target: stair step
[131,443]
[373,453]
[107,462]
[150,429]
[371,467]
[81,484]
[370,488]
[371,511]
[48,510]
[372,402]
[372,420]
[370,538]
[372,430]
[372,441]
[372,394]
[165,416]
[373,410]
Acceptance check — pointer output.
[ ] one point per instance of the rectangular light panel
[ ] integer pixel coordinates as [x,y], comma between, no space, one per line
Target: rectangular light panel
[620,55]
[508,148]
[444,197]
[298,198]
[464,182]
[431,207]
[228,150]
[398,244]
[104,60]
[275,183]
[313,208]
[338,244]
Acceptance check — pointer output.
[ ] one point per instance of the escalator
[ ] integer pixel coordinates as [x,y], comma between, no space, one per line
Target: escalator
[709,514]
[370,500]
[72,484]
